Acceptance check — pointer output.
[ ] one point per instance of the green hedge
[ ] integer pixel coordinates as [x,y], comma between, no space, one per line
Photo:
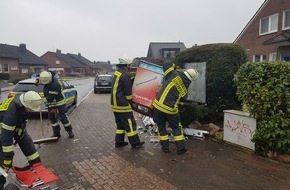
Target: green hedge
[222,62]
[264,88]
[4,76]
[18,77]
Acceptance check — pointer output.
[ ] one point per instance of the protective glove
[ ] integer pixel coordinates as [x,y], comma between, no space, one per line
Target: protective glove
[7,164]
[54,110]
[36,82]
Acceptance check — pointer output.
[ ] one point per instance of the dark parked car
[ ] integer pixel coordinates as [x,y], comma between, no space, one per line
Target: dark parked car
[103,83]
[73,75]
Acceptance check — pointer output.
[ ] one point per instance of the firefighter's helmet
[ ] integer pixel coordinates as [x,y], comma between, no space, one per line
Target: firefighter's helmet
[124,61]
[45,77]
[191,74]
[31,100]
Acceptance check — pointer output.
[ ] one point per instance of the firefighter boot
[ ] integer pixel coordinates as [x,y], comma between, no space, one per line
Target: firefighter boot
[70,132]
[180,147]
[165,146]
[71,135]
[135,141]
[56,131]
[119,140]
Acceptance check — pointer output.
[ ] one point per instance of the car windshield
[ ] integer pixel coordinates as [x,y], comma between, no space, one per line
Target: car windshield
[104,78]
[25,87]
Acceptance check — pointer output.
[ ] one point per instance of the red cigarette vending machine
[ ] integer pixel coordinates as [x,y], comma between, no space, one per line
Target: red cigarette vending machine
[147,81]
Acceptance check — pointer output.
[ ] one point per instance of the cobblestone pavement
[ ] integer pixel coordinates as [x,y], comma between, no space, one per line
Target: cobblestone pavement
[90,160]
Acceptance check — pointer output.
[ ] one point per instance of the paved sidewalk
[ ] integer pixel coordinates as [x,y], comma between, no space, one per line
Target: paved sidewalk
[90,160]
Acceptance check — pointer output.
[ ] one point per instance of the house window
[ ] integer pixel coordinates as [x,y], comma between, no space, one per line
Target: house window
[286,19]
[166,54]
[14,68]
[1,68]
[259,58]
[57,62]
[169,53]
[6,68]
[269,24]
[172,54]
[285,57]
[273,57]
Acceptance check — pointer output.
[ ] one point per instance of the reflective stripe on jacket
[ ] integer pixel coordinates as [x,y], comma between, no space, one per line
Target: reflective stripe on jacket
[13,122]
[121,94]
[173,89]
[53,93]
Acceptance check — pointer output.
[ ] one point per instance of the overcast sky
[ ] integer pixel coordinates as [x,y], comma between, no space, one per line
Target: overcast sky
[103,30]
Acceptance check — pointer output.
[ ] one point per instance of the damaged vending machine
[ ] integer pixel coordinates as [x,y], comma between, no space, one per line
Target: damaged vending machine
[147,80]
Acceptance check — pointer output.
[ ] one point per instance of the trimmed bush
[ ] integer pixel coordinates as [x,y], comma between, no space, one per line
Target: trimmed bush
[222,62]
[19,77]
[264,88]
[4,76]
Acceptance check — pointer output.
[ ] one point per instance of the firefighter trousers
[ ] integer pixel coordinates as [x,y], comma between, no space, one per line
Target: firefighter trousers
[57,114]
[160,119]
[126,124]
[27,147]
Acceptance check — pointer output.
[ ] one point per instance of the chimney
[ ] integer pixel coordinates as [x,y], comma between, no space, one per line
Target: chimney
[79,54]
[58,51]
[22,47]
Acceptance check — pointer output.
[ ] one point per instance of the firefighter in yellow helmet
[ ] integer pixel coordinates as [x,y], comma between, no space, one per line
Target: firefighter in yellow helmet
[173,89]
[56,103]
[121,100]
[13,116]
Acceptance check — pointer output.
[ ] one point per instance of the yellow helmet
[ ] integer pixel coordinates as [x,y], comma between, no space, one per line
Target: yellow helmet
[191,74]
[31,100]
[45,77]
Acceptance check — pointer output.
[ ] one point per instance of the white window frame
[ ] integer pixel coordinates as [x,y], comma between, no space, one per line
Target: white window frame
[270,29]
[273,56]
[260,58]
[1,71]
[284,19]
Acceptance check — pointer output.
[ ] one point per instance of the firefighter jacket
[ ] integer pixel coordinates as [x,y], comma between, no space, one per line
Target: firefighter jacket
[173,89]
[53,93]
[13,118]
[121,94]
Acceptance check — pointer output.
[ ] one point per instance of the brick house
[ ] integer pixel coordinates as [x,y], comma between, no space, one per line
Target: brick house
[266,37]
[62,64]
[19,60]
[91,68]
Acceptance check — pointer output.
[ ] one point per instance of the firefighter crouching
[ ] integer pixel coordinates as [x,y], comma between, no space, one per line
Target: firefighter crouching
[56,103]
[121,101]
[13,117]
[166,103]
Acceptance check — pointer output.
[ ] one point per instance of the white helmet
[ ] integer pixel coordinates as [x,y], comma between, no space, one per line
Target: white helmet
[191,74]
[31,100]
[45,77]
[124,61]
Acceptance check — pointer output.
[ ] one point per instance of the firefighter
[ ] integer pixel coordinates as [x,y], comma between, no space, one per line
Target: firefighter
[173,89]
[13,116]
[121,105]
[56,103]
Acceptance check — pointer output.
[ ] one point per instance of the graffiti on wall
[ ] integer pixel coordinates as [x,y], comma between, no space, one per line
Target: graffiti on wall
[239,126]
